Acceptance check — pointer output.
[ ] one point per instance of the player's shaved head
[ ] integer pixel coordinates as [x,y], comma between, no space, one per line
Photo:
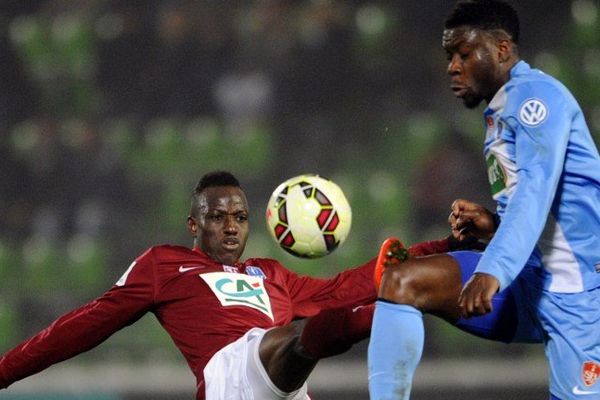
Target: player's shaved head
[217,178]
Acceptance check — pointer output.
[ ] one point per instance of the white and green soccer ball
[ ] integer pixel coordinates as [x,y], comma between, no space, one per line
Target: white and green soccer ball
[309,216]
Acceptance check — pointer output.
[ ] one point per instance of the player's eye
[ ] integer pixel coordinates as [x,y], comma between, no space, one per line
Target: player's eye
[215,217]
[242,218]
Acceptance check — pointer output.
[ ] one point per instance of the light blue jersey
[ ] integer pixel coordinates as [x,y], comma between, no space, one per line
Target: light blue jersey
[544,171]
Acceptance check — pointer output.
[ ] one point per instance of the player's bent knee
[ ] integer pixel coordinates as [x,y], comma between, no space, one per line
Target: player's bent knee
[400,284]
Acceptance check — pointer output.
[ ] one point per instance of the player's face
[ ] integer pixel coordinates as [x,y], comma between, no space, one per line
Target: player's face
[473,64]
[222,223]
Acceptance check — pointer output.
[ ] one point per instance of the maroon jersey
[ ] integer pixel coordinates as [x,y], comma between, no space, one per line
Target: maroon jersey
[204,305]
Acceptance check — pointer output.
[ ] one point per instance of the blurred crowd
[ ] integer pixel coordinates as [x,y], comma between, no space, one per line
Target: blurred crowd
[111,110]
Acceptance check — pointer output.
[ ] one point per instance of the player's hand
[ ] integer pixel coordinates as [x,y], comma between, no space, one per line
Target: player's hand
[476,296]
[468,219]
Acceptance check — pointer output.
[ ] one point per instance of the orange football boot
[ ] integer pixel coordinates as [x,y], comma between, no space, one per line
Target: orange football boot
[391,252]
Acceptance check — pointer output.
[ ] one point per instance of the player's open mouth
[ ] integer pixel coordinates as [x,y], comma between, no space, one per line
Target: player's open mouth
[459,91]
[231,243]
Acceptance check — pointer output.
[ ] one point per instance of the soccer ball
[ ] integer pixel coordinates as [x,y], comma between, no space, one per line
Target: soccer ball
[309,216]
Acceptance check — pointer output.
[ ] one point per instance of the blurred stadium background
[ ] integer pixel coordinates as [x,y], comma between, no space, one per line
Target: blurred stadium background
[111,110]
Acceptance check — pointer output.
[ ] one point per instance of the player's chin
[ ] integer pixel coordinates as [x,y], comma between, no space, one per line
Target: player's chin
[471,101]
[230,254]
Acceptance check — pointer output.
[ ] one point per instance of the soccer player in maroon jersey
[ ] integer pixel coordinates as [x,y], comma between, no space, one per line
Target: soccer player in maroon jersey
[248,330]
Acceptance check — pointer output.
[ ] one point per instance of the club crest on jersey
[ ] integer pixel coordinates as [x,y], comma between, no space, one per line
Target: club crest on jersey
[239,290]
[255,271]
[590,372]
[533,112]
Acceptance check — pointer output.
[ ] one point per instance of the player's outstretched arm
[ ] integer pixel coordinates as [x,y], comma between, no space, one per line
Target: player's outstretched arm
[82,329]
[75,332]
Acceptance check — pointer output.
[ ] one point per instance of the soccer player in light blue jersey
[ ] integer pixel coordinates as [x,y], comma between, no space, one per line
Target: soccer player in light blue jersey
[538,280]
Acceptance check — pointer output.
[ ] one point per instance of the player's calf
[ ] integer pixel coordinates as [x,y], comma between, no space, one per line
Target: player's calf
[335,331]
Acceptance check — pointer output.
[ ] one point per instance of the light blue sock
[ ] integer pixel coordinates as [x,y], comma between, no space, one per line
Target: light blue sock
[395,349]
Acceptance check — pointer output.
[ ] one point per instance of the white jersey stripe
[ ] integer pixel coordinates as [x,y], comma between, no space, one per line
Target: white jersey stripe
[559,259]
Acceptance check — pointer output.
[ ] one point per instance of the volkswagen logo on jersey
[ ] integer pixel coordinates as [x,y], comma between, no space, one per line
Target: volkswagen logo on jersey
[533,112]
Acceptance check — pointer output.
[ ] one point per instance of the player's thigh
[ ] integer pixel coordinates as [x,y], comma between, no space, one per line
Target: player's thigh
[431,284]
[236,373]
[259,380]
[224,374]
[510,319]
[571,322]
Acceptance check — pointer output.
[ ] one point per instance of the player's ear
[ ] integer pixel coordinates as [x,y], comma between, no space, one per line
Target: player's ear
[505,50]
[192,226]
